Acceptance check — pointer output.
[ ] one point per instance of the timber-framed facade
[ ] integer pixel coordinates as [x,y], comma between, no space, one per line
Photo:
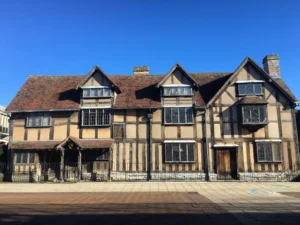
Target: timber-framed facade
[199,126]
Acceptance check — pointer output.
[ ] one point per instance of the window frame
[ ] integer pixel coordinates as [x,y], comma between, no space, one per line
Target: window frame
[187,144]
[177,95]
[178,115]
[259,111]
[21,154]
[42,116]
[265,160]
[96,117]
[96,88]
[250,83]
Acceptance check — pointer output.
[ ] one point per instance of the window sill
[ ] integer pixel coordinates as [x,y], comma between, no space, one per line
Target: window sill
[40,126]
[95,126]
[178,124]
[240,95]
[172,96]
[255,124]
[98,97]
[269,162]
[190,162]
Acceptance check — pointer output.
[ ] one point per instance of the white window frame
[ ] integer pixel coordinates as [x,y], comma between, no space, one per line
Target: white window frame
[42,116]
[96,117]
[274,160]
[98,88]
[186,108]
[187,144]
[248,83]
[177,87]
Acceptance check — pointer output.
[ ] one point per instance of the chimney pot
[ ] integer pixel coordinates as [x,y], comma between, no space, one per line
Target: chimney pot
[271,65]
[141,70]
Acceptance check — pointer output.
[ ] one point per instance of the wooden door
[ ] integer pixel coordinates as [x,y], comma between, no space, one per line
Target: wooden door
[224,164]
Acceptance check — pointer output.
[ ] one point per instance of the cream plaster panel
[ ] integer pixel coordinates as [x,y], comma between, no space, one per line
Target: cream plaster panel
[45,134]
[272,112]
[273,130]
[187,131]
[156,131]
[286,115]
[119,116]
[131,131]
[88,133]
[242,75]
[170,132]
[226,99]
[32,134]
[199,131]
[143,131]
[18,134]
[217,130]
[104,132]
[60,120]
[287,129]
[74,131]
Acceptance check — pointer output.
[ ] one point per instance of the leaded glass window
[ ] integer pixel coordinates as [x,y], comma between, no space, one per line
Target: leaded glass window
[268,152]
[177,91]
[254,114]
[179,152]
[178,115]
[38,120]
[250,89]
[96,92]
[95,117]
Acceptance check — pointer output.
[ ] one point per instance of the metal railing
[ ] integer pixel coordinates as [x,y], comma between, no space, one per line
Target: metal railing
[89,171]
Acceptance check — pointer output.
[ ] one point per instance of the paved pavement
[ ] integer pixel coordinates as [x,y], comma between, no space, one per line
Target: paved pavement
[169,203]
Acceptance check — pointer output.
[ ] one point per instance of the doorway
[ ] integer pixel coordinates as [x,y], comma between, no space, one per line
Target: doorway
[226,164]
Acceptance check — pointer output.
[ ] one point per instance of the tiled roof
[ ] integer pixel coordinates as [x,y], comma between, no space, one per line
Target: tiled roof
[33,145]
[59,92]
[252,100]
[41,145]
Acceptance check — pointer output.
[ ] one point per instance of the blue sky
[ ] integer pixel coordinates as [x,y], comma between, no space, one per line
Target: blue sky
[70,37]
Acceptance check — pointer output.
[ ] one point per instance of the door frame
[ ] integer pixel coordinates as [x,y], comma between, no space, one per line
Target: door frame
[233,151]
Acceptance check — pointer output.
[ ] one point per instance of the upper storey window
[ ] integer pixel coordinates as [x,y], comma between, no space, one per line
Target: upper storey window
[177,91]
[178,115]
[251,88]
[38,120]
[96,117]
[96,92]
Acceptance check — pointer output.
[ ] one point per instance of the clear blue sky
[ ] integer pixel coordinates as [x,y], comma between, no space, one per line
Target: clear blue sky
[70,37]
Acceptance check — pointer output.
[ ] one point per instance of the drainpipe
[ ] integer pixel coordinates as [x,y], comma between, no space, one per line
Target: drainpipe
[206,152]
[150,116]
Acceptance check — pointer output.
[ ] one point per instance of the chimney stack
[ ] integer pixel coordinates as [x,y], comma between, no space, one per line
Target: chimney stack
[141,70]
[271,65]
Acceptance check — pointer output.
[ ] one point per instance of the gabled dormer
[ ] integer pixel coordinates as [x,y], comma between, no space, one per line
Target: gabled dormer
[177,90]
[98,93]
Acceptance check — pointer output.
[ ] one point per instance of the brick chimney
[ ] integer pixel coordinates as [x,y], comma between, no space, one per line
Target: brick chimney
[141,70]
[271,65]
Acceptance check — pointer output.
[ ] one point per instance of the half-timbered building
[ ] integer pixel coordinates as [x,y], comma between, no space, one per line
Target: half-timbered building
[179,125]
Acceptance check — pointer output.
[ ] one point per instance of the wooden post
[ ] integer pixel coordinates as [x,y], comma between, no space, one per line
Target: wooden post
[79,164]
[62,164]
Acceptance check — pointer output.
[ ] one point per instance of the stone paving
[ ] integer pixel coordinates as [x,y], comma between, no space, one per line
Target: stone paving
[249,203]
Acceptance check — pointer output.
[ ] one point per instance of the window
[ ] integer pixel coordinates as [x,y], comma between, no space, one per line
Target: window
[179,152]
[95,155]
[179,115]
[250,88]
[177,91]
[25,157]
[119,130]
[254,114]
[96,92]
[38,120]
[268,152]
[95,117]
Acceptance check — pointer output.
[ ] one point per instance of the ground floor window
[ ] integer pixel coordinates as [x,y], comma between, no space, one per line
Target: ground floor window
[179,152]
[25,157]
[268,152]
[95,154]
